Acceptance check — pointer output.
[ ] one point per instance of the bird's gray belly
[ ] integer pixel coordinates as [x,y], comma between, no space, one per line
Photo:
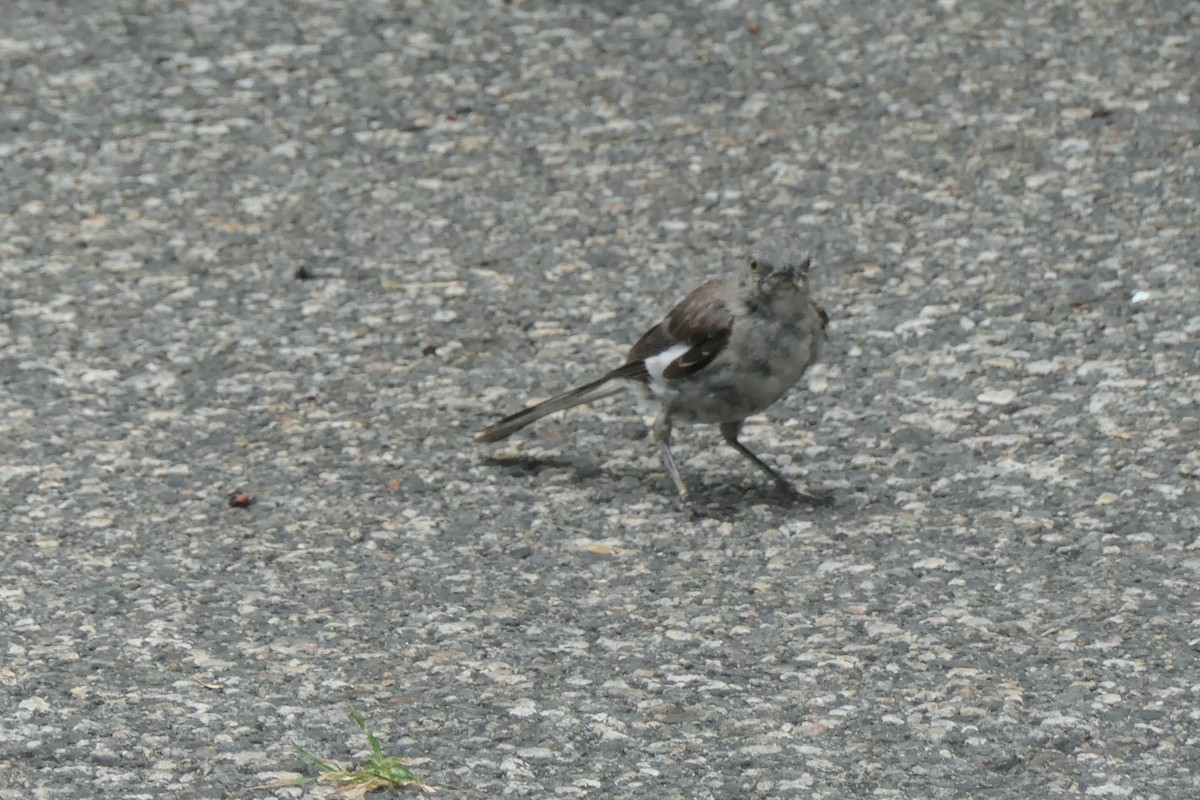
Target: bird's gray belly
[728,395]
[751,374]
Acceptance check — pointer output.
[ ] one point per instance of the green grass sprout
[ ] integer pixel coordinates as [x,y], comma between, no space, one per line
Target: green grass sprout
[378,771]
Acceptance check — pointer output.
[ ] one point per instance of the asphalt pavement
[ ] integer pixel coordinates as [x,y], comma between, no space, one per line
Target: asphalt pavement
[304,250]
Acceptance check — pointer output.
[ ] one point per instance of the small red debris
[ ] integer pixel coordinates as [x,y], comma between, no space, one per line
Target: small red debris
[429,350]
[240,499]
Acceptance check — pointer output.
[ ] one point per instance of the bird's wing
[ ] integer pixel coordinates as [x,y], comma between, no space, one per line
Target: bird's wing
[702,321]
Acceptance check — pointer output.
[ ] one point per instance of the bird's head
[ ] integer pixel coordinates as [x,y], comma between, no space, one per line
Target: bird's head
[777,277]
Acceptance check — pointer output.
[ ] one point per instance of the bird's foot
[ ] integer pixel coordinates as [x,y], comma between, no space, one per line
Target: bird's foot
[818,498]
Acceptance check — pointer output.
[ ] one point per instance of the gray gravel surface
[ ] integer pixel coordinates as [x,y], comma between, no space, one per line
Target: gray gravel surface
[305,249]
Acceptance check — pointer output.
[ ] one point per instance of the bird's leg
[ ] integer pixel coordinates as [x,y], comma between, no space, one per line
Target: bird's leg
[730,431]
[662,434]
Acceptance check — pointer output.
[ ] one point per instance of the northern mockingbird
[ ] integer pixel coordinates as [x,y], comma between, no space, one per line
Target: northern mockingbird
[730,349]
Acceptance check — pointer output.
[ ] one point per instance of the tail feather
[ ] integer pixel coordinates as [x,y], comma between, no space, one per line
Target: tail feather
[514,422]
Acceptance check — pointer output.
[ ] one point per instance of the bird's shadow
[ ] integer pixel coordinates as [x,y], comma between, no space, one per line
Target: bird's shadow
[707,499]
[726,497]
[532,466]
[528,464]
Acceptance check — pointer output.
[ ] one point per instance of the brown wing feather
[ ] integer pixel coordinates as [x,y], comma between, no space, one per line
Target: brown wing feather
[696,358]
[653,342]
[701,320]
[824,315]
[632,371]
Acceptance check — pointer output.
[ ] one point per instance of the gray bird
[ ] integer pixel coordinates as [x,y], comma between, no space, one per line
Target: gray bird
[730,349]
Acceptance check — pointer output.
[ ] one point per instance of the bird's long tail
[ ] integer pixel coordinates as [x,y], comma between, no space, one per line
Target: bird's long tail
[583,394]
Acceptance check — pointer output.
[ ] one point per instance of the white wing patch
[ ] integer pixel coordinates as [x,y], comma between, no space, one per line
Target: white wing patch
[656,364]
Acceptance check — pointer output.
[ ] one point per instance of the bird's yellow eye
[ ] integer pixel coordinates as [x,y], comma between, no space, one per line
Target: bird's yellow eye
[753,266]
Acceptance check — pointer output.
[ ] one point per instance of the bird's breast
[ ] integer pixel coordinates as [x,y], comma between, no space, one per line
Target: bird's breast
[760,363]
